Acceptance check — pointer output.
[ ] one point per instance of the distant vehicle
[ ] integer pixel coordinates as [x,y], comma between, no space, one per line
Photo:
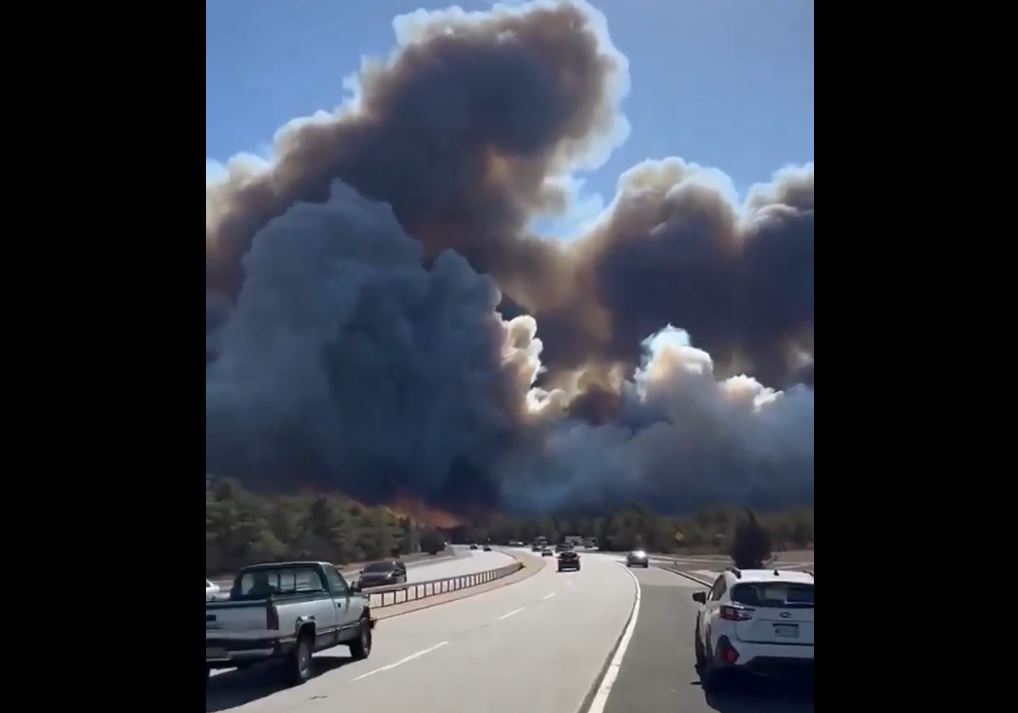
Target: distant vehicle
[755,620]
[591,543]
[564,547]
[473,545]
[536,547]
[569,559]
[211,589]
[546,552]
[637,558]
[286,611]
[486,548]
[381,574]
[539,544]
[515,543]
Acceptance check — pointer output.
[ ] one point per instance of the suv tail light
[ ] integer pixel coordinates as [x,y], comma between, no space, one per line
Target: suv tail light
[271,616]
[730,613]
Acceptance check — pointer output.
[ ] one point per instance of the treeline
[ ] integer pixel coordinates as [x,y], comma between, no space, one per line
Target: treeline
[242,527]
[710,530]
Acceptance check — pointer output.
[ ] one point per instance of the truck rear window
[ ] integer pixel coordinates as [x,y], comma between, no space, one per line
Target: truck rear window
[777,595]
[261,583]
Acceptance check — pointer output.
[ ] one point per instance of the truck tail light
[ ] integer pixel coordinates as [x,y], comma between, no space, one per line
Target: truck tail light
[736,613]
[271,616]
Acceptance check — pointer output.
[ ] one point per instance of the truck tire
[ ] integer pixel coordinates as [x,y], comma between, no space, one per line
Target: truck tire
[299,662]
[360,648]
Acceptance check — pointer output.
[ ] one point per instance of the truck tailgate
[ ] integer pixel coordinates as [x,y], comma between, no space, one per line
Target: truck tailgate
[236,618]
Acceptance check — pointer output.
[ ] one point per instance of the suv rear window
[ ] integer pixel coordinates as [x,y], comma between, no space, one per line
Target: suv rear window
[778,595]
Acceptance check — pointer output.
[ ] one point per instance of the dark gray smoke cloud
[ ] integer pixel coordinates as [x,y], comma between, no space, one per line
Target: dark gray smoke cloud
[346,363]
[392,350]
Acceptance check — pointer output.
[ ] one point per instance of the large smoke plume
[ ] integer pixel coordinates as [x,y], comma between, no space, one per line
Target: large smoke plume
[374,296]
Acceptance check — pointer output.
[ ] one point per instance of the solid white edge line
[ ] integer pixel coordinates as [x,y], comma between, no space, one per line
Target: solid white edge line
[514,611]
[601,698]
[548,596]
[402,661]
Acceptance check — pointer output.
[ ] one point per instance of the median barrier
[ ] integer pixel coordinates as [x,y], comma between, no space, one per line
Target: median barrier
[392,594]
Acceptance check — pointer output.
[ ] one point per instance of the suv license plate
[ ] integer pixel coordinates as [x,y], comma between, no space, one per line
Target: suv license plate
[787,631]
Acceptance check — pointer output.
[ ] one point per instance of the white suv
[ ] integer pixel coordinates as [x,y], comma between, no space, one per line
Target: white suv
[757,620]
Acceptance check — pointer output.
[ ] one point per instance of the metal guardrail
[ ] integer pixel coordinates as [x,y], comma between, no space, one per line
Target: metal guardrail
[349,570]
[389,595]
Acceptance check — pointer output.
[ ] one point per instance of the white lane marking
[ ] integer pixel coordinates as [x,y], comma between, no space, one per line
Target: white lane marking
[548,596]
[514,611]
[402,661]
[601,698]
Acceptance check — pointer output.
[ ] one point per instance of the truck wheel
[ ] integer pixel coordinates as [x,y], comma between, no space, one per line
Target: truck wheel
[300,660]
[360,648]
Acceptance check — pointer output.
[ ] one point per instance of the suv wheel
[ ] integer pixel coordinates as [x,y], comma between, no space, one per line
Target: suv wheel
[698,649]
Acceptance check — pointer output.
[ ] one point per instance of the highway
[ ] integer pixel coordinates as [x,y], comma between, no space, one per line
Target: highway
[539,645]
[466,561]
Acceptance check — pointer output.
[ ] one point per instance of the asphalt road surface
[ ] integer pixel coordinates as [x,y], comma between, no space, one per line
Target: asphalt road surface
[537,646]
[658,671]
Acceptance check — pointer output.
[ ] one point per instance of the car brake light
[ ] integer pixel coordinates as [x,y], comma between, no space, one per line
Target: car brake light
[730,655]
[736,613]
[271,616]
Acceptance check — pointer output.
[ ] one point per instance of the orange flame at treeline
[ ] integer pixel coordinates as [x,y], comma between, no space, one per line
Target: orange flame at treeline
[421,513]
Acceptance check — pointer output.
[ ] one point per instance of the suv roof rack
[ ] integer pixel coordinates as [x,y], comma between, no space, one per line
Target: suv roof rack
[735,571]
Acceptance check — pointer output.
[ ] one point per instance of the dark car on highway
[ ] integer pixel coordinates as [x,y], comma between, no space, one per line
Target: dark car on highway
[380,574]
[546,552]
[487,548]
[568,559]
[473,545]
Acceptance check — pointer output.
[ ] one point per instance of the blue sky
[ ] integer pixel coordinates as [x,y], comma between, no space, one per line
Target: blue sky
[723,83]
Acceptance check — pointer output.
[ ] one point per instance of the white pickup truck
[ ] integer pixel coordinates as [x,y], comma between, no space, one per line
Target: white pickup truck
[286,611]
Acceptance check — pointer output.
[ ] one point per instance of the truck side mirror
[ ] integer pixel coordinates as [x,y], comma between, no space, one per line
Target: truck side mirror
[700,597]
[355,586]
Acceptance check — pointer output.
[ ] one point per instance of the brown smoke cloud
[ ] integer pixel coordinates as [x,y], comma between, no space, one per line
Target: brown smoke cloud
[458,132]
[316,297]
[675,248]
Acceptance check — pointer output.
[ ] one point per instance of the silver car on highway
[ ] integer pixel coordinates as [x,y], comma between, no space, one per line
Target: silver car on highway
[637,558]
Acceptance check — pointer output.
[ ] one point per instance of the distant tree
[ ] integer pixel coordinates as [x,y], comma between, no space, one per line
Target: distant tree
[432,541]
[751,543]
